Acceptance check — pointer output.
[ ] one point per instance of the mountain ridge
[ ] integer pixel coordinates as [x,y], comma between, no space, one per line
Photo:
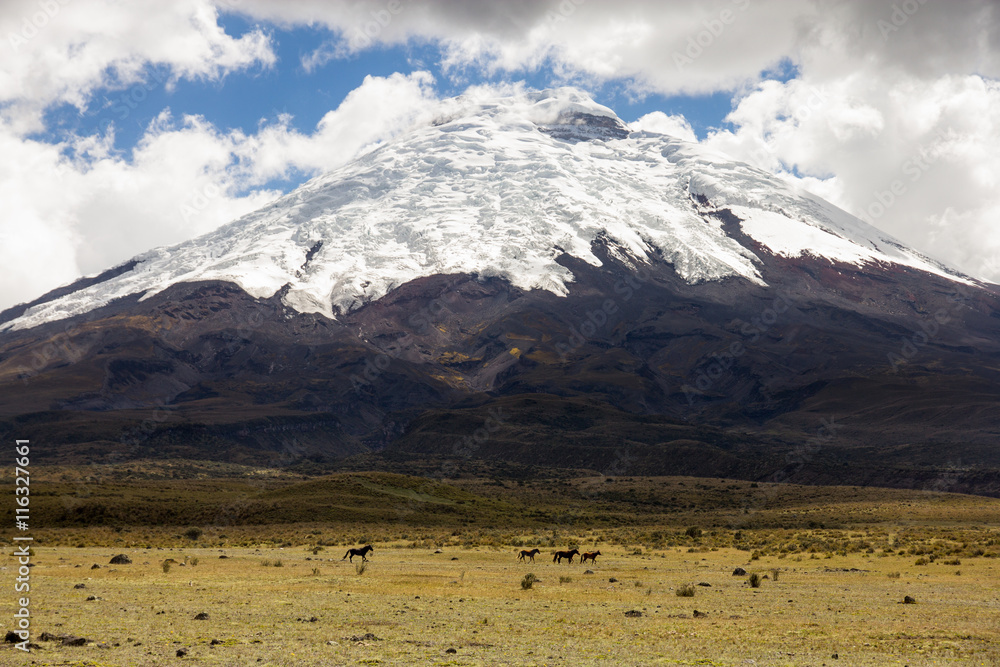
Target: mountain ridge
[499,188]
[712,328]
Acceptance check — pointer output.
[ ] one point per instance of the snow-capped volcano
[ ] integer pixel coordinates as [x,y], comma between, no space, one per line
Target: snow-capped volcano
[503,187]
[610,290]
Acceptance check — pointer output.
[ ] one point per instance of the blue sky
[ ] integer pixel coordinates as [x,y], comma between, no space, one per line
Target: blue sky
[131,125]
[247,98]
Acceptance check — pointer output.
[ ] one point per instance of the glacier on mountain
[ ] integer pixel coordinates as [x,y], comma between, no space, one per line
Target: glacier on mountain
[502,187]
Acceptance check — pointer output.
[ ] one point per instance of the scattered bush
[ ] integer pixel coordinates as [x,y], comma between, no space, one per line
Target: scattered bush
[755,580]
[921,561]
[528,581]
[693,532]
[166,566]
[359,568]
[565,580]
[685,591]
[193,533]
[774,574]
[893,575]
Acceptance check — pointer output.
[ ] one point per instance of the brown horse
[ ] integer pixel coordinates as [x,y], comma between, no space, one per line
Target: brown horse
[559,555]
[529,554]
[363,552]
[590,555]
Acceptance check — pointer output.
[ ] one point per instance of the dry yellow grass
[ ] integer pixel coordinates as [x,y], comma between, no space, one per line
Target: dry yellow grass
[418,604]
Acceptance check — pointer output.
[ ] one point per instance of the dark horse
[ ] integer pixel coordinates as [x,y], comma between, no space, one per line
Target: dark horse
[590,555]
[529,554]
[559,555]
[363,552]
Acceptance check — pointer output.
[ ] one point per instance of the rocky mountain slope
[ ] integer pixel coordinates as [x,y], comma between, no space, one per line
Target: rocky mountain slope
[526,282]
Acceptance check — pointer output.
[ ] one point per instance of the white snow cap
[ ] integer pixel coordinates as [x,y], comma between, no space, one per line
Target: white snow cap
[501,186]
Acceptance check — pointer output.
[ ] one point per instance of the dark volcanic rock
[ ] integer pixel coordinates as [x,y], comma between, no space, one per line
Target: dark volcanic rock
[396,378]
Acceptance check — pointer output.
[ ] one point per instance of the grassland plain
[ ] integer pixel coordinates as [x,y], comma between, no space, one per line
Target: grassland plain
[444,587]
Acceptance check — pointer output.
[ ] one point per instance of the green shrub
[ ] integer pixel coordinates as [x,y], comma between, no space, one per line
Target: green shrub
[528,581]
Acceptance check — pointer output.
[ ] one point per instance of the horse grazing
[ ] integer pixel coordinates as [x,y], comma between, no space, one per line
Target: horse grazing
[559,555]
[363,552]
[529,554]
[591,556]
